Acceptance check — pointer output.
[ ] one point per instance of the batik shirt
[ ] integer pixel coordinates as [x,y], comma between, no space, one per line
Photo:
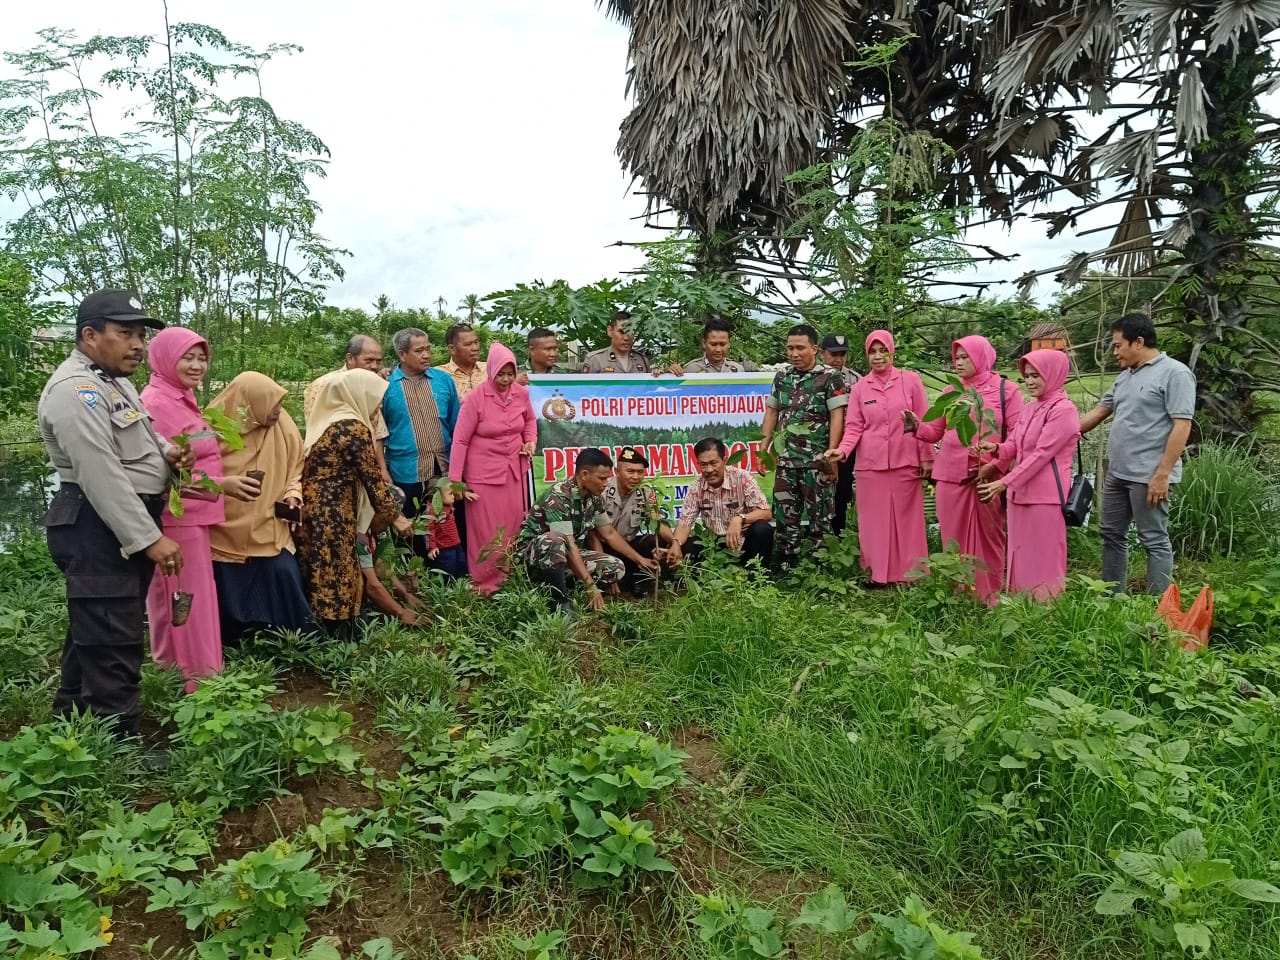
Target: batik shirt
[563,509]
[806,398]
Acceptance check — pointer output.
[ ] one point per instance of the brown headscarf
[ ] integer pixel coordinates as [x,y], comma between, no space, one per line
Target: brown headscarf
[251,528]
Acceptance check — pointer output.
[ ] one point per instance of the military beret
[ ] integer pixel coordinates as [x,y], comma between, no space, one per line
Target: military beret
[632,455]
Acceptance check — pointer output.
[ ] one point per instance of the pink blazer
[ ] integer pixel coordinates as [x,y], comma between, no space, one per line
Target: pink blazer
[874,422]
[173,413]
[491,429]
[953,460]
[1046,433]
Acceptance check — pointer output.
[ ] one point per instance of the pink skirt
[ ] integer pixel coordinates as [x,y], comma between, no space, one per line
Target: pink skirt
[891,533]
[1037,549]
[195,648]
[977,528]
[493,520]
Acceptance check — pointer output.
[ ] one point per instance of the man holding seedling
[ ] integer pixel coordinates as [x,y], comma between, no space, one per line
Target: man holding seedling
[633,511]
[553,539]
[103,524]
[805,410]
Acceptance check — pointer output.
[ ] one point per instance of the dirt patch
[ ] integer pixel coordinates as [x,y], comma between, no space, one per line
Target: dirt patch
[387,901]
[704,764]
[302,688]
[132,926]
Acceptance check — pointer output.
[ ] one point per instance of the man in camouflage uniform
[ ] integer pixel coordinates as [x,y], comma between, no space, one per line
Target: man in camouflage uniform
[807,407]
[553,539]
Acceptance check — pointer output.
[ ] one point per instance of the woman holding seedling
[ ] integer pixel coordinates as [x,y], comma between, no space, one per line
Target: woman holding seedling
[492,443]
[1041,444]
[182,609]
[344,494]
[259,584]
[887,471]
[972,524]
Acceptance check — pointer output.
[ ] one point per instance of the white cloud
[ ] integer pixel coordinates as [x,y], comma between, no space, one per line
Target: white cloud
[473,142]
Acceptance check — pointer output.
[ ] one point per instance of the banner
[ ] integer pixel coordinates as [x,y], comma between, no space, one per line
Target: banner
[662,416]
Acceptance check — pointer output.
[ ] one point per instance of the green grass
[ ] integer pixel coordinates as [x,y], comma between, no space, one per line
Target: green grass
[895,743]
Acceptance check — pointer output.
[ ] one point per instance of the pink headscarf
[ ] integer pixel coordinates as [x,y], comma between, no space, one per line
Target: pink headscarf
[499,357]
[983,355]
[163,353]
[885,338]
[1053,366]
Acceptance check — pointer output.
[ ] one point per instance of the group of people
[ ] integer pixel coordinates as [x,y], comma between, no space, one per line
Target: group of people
[162,520]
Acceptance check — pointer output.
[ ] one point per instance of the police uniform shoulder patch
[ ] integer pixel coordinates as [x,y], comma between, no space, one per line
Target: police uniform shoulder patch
[88,394]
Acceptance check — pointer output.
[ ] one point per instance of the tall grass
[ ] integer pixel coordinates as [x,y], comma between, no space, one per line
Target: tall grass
[1225,506]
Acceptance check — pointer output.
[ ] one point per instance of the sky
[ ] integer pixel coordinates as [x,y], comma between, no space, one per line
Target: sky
[472,142]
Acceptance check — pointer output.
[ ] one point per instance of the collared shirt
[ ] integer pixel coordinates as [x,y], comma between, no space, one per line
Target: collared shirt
[608,361]
[806,398]
[465,382]
[1144,402]
[99,436]
[409,445]
[563,509]
[703,365]
[738,495]
[630,514]
[848,376]
[312,390]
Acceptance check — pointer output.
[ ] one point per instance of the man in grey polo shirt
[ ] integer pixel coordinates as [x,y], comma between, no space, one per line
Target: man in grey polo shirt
[1153,400]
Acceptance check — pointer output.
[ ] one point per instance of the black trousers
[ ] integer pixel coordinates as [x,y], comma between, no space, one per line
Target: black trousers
[106,611]
[844,496]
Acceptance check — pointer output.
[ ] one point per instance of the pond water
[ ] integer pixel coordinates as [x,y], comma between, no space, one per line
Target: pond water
[25,490]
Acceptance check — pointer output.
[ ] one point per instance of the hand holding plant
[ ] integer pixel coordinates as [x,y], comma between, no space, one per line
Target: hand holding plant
[220,427]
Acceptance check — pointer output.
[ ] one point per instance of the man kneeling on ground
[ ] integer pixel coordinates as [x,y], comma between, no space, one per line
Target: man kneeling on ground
[729,503]
[553,539]
[633,514]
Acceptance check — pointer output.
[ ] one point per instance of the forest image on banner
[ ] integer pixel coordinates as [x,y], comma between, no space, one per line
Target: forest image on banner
[662,416]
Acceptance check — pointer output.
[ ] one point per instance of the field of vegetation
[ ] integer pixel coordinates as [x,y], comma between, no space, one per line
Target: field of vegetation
[735,770]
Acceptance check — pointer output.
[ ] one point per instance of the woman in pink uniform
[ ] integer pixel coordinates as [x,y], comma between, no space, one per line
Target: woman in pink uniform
[890,499]
[1044,438]
[492,443]
[975,526]
[179,358]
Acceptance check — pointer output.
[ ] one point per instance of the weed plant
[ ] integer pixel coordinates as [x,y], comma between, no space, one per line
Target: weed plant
[1225,506]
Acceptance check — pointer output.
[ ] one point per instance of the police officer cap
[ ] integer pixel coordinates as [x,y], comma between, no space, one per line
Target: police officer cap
[122,306]
[632,455]
[835,343]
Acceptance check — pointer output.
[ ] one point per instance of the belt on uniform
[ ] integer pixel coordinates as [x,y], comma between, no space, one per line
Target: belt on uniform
[74,488]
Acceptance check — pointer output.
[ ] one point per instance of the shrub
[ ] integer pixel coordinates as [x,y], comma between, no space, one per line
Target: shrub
[1225,506]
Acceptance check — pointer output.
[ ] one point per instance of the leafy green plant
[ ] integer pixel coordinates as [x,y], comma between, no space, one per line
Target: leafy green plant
[964,410]
[54,916]
[913,934]
[138,849]
[736,932]
[254,906]
[1176,895]
[222,428]
[543,945]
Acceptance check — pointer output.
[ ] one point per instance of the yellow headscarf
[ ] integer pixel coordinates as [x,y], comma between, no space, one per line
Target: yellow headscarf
[346,395]
[251,529]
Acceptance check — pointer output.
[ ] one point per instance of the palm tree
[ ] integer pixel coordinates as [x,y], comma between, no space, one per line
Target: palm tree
[732,98]
[471,304]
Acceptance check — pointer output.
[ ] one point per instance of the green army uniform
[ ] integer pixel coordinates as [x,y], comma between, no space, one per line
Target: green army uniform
[560,514]
[800,487]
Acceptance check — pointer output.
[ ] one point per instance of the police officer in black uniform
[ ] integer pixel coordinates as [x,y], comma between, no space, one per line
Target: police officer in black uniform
[103,525]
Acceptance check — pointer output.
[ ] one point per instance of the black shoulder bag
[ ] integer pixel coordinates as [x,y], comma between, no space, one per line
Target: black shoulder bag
[1077,503]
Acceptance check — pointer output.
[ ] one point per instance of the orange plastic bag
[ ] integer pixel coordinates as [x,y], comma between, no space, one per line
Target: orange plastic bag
[1195,622]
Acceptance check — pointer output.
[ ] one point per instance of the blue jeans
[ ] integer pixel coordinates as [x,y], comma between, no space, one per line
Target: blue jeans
[1125,502]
